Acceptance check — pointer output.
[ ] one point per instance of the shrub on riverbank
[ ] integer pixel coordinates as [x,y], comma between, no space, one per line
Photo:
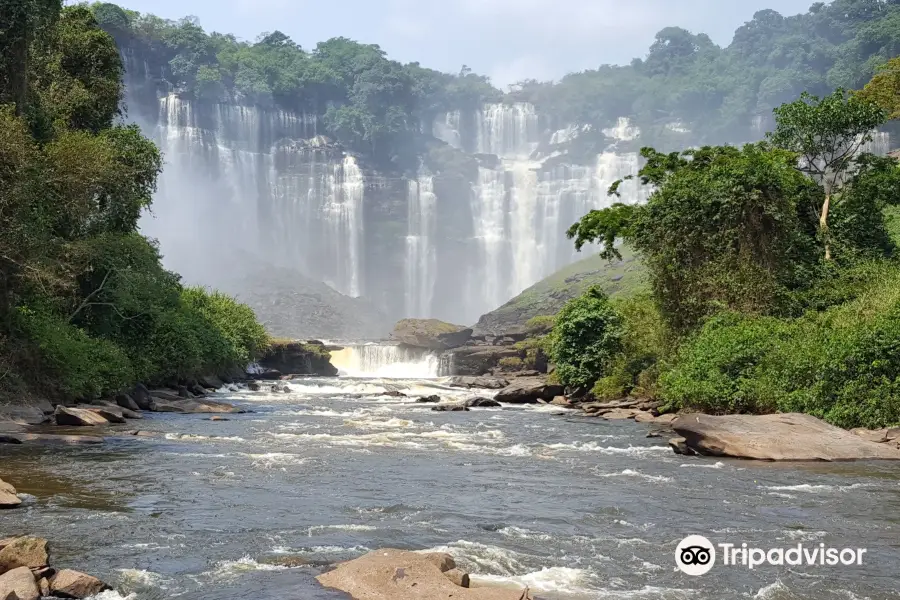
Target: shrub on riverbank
[586,337]
[842,364]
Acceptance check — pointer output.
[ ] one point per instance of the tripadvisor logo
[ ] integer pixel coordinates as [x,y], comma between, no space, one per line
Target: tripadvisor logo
[696,555]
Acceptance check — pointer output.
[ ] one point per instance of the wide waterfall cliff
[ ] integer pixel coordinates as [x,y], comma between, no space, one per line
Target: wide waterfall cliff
[255,201]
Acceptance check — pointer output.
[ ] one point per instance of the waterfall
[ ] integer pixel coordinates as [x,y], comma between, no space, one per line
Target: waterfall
[264,181]
[520,208]
[386,360]
[421,255]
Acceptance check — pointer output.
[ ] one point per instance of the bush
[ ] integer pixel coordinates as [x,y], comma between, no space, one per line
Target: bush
[842,365]
[586,338]
[79,365]
[246,338]
[511,363]
[716,371]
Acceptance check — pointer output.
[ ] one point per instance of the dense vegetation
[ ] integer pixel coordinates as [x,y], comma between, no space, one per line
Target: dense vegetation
[86,308]
[774,276]
[686,91]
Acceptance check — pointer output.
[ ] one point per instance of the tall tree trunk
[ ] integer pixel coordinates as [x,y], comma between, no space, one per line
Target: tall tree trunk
[823,224]
[14,52]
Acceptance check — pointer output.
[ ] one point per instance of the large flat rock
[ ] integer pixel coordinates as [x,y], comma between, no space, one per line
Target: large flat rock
[400,575]
[790,436]
[529,390]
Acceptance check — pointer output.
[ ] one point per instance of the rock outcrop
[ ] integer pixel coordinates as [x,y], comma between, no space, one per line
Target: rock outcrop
[788,437]
[297,358]
[400,575]
[430,334]
[486,383]
[78,417]
[481,403]
[480,360]
[529,390]
[185,406]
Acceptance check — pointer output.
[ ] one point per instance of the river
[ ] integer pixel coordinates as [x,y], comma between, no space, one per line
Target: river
[576,508]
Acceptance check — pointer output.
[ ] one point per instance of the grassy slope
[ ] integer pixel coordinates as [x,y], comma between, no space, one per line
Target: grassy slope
[547,297]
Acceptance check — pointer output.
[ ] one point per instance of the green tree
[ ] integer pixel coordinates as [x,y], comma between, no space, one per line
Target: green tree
[725,227]
[827,134]
[586,337]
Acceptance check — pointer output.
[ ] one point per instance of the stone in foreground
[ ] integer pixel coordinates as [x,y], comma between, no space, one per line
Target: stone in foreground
[400,575]
[19,584]
[25,551]
[789,437]
[74,584]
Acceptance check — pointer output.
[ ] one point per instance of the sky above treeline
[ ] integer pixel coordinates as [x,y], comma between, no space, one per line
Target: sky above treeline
[509,40]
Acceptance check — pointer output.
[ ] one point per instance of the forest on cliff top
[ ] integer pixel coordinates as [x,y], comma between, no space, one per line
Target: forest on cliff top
[685,91]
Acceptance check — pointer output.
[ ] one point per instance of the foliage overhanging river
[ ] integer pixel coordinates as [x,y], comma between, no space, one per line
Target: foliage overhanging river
[575,508]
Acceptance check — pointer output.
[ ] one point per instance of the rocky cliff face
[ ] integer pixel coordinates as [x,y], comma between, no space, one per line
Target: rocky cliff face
[479,219]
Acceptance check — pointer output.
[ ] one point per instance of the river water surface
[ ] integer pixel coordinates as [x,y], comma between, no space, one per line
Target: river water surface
[574,507]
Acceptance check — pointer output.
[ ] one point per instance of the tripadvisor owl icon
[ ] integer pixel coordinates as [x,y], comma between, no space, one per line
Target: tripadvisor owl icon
[695,555]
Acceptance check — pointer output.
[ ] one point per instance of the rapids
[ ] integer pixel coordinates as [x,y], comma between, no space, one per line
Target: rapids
[575,508]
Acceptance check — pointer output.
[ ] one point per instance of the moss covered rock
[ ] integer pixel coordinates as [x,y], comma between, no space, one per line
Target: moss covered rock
[431,334]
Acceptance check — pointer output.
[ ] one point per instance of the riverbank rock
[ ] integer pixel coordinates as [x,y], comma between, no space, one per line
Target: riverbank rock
[19,584]
[8,497]
[78,417]
[458,576]
[528,390]
[141,396]
[126,401]
[74,584]
[486,383]
[430,334]
[400,575]
[25,551]
[107,413]
[26,413]
[211,382]
[185,406]
[789,437]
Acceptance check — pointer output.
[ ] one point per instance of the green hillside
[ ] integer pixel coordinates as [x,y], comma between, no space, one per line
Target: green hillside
[547,297]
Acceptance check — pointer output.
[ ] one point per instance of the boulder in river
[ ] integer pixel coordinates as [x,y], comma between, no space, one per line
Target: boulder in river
[450,408]
[469,382]
[401,575]
[194,406]
[480,360]
[8,497]
[528,390]
[74,584]
[427,399]
[481,403]
[458,576]
[19,584]
[25,551]
[790,436]
[211,382]
[430,334]
[78,417]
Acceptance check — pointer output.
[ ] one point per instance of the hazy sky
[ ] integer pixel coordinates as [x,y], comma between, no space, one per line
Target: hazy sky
[509,40]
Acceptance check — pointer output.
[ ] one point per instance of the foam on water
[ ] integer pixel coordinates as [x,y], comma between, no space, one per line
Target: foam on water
[813,489]
[717,465]
[111,595]
[637,474]
[549,579]
[317,529]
